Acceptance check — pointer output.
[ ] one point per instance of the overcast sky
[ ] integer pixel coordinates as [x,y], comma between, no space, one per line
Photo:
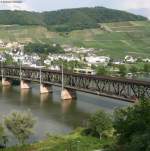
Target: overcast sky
[137,6]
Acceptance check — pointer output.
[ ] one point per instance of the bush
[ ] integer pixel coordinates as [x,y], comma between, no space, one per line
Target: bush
[100,123]
[122,70]
[101,71]
[41,48]
[132,127]
[133,69]
[146,68]
[3,137]
[20,124]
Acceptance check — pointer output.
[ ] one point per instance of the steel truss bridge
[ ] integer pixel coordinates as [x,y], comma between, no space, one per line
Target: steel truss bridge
[120,88]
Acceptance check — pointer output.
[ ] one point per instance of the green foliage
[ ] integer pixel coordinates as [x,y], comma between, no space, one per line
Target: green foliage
[67,20]
[43,48]
[133,69]
[132,127]
[68,65]
[100,70]
[20,124]
[101,123]
[3,137]
[122,70]
[9,60]
[139,60]
[70,142]
[146,68]
[1,130]
[8,17]
[114,44]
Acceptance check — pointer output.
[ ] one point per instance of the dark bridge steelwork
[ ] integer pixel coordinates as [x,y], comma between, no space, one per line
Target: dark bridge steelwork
[125,89]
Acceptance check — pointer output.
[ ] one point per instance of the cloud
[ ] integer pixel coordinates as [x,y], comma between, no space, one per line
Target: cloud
[139,7]
[18,7]
[135,4]
[141,11]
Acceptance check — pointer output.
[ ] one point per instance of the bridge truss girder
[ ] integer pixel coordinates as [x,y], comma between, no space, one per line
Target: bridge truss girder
[107,86]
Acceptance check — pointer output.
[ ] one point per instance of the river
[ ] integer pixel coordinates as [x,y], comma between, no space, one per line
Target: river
[53,115]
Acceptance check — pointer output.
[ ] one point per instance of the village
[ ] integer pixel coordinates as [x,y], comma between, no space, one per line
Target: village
[83,60]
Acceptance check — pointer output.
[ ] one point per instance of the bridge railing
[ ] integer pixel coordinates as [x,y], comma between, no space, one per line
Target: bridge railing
[100,85]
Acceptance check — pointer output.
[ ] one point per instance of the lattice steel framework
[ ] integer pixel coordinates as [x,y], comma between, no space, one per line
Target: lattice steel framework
[120,88]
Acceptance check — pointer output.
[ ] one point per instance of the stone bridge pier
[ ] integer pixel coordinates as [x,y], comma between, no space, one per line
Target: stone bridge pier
[68,94]
[24,84]
[6,82]
[44,88]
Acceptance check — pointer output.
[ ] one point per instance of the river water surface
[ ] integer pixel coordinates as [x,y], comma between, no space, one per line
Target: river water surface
[53,115]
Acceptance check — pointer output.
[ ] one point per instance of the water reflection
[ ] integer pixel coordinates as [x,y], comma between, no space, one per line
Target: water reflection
[53,114]
[6,89]
[23,94]
[66,105]
[44,98]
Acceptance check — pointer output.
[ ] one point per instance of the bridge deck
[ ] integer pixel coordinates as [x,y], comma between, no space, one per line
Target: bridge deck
[121,88]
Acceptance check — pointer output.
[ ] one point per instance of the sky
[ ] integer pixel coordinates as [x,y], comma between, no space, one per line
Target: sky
[141,7]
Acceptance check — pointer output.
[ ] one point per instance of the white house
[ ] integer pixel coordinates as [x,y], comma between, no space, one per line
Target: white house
[117,62]
[47,62]
[146,60]
[68,58]
[54,68]
[129,59]
[97,59]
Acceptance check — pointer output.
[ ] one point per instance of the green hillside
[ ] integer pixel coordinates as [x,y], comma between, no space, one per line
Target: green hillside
[67,19]
[114,39]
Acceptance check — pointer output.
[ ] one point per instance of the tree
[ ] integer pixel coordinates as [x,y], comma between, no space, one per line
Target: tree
[133,69]
[146,67]
[43,48]
[3,137]
[69,19]
[101,123]
[101,71]
[9,60]
[122,70]
[20,124]
[139,60]
[1,131]
[132,126]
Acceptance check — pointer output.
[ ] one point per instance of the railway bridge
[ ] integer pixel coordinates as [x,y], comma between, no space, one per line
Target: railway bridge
[119,88]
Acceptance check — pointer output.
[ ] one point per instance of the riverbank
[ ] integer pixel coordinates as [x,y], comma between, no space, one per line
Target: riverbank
[74,141]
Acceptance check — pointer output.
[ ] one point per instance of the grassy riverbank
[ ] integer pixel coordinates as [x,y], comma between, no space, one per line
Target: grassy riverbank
[130,124]
[71,142]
